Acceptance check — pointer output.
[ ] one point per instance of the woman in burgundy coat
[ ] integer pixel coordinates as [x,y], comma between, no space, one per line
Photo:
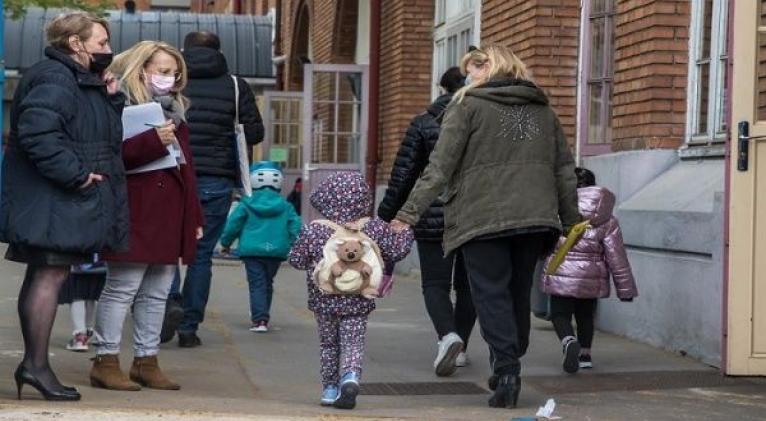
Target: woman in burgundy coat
[165,221]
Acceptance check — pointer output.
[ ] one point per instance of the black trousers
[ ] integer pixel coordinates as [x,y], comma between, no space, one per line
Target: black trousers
[439,276]
[584,311]
[501,271]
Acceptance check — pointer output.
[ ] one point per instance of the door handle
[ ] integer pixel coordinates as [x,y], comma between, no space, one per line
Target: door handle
[743,145]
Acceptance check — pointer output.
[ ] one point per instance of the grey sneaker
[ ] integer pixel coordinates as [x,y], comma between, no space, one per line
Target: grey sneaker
[571,356]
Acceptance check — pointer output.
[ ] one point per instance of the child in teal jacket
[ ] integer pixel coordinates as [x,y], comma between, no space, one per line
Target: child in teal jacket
[266,225]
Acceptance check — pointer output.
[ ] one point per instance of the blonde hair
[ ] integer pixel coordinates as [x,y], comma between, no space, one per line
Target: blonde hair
[503,63]
[130,65]
[63,26]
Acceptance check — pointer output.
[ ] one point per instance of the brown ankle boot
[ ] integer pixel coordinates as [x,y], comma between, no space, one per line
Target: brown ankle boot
[146,372]
[106,374]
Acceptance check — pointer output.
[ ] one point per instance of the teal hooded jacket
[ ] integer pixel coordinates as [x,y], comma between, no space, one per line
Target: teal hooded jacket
[265,224]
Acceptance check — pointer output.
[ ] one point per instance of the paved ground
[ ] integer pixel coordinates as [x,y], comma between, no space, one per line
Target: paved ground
[239,375]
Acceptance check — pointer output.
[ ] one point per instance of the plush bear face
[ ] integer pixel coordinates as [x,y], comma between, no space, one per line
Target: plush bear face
[350,250]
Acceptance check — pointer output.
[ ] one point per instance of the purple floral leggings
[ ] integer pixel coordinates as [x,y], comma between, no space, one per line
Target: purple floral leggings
[341,345]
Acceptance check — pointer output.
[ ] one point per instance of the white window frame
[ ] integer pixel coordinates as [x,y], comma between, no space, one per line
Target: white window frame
[449,27]
[716,85]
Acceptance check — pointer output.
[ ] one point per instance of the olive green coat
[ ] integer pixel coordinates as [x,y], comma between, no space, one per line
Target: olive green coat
[502,163]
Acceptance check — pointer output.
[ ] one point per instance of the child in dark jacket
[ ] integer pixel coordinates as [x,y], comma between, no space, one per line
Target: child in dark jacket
[583,277]
[266,226]
[342,319]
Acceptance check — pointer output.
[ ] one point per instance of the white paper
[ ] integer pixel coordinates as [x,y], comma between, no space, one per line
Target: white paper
[547,410]
[137,119]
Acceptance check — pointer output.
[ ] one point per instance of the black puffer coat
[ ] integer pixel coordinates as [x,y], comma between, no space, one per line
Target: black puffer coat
[211,114]
[410,162]
[63,127]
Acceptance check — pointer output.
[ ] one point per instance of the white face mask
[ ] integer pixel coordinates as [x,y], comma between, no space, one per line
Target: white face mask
[161,84]
[468,80]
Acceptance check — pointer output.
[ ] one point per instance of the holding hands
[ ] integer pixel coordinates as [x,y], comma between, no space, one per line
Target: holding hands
[399,226]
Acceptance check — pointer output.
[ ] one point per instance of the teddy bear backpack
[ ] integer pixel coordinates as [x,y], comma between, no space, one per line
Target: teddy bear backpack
[351,262]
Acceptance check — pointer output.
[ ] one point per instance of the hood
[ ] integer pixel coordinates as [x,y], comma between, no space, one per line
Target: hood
[596,204]
[342,197]
[437,108]
[509,92]
[204,63]
[265,202]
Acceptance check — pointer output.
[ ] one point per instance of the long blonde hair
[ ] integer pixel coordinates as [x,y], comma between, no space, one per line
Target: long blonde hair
[503,63]
[130,64]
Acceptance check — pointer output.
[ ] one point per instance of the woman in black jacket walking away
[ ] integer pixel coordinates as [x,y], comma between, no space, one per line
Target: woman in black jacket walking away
[511,189]
[439,274]
[64,194]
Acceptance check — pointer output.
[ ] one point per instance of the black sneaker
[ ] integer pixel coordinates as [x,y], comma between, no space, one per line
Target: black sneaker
[188,340]
[174,314]
[585,361]
[571,354]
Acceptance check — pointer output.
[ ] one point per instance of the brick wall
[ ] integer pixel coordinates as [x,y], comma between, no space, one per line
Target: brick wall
[544,34]
[651,58]
[322,23]
[406,46]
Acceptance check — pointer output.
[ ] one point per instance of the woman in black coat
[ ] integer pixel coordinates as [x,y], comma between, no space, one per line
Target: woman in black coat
[439,275]
[63,183]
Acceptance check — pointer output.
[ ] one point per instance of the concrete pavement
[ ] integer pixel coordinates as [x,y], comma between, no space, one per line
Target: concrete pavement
[239,375]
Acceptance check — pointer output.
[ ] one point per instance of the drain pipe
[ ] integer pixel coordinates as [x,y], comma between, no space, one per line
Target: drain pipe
[373,132]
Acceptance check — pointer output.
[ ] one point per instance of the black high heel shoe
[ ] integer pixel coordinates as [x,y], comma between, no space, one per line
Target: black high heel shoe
[23,376]
[507,392]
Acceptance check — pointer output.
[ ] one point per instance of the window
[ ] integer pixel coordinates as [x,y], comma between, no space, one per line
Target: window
[708,59]
[453,35]
[441,13]
[597,77]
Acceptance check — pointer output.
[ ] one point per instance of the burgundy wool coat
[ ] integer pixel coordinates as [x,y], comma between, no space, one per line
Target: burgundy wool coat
[164,208]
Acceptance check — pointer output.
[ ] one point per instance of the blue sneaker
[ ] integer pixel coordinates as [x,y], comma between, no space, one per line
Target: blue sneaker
[349,389]
[329,395]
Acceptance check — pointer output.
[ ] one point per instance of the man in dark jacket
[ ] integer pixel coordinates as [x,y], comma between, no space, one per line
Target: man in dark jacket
[453,323]
[211,126]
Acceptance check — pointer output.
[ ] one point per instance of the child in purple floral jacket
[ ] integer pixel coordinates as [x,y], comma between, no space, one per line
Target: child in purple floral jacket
[342,319]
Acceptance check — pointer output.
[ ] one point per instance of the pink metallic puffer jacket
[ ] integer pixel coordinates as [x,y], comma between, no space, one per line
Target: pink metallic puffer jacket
[599,253]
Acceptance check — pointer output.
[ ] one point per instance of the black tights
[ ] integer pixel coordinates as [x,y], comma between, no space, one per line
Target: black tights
[38,302]
[584,311]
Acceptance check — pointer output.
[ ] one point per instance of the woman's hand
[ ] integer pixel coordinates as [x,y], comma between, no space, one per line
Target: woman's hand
[199,233]
[92,178]
[112,83]
[399,226]
[167,133]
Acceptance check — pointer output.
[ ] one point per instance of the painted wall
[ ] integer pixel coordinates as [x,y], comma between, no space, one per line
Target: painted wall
[673,228]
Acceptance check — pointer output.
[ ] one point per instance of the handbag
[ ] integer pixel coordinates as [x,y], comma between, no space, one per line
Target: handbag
[241,144]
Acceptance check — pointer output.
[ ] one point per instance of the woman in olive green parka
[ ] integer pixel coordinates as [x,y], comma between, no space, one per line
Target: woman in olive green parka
[507,178]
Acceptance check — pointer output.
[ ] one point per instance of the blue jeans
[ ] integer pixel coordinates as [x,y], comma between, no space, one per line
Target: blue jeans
[260,278]
[215,196]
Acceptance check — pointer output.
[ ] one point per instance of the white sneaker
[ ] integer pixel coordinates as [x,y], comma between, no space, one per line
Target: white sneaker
[449,347]
[78,343]
[461,360]
[260,327]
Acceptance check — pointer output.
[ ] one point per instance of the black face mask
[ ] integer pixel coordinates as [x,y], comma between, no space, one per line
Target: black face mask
[100,61]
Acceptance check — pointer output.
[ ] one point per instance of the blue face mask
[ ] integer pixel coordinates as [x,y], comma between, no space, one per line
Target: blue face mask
[468,80]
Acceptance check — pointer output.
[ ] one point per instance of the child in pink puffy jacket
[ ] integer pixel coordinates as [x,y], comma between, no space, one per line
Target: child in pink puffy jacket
[584,275]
